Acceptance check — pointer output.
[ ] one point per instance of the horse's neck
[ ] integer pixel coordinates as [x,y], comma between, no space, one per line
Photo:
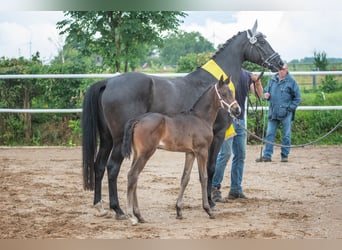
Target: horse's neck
[229,58]
[206,107]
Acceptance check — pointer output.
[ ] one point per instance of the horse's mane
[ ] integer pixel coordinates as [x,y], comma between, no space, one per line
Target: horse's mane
[226,44]
[229,41]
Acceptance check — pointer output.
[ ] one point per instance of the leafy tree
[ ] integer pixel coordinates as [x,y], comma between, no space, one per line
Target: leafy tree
[191,61]
[121,38]
[320,60]
[18,93]
[182,43]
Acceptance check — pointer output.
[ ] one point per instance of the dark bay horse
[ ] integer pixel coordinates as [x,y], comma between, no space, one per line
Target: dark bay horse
[110,103]
[190,132]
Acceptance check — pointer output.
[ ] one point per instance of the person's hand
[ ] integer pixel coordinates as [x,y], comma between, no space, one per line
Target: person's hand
[267,95]
[254,78]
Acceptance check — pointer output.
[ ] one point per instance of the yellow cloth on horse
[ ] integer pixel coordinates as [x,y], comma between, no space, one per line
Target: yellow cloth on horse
[230,132]
[213,68]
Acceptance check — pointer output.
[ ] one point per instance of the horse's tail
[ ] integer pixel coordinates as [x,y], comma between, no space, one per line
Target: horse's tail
[90,117]
[126,147]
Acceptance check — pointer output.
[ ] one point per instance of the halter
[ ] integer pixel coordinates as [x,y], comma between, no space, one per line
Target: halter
[223,103]
[266,63]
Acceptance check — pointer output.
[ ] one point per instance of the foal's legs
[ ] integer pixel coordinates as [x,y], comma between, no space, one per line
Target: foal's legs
[133,212]
[189,162]
[201,161]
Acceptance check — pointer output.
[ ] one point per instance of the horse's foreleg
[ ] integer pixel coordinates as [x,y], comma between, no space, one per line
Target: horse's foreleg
[113,169]
[219,133]
[201,161]
[189,161]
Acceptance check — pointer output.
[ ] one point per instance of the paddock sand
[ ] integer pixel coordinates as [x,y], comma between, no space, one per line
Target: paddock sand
[42,197]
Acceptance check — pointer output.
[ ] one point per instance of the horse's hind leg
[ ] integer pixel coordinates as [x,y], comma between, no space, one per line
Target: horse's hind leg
[133,212]
[113,169]
[189,162]
[100,164]
[136,210]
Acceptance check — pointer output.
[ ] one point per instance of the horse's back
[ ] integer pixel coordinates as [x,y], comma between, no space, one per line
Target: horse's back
[131,94]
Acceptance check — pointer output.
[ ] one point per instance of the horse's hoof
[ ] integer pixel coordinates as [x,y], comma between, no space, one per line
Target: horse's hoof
[120,217]
[100,211]
[179,217]
[141,220]
[212,204]
[134,221]
[211,216]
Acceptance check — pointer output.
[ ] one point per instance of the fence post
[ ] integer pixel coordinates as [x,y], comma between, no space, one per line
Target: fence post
[314,79]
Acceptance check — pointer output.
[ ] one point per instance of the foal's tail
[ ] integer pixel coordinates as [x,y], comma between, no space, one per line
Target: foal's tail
[126,147]
[90,117]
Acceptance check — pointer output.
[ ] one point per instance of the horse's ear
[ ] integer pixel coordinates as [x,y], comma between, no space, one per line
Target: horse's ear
[221,80]
[254,29]
[228,79]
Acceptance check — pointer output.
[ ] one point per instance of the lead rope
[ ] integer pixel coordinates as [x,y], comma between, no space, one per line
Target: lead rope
[260,101]
[263,141]
[263,115]
[291,146]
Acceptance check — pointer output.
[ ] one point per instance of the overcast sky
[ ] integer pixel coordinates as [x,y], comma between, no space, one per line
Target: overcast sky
[293,34]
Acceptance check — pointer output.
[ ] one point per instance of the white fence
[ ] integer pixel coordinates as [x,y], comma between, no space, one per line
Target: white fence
[101,76]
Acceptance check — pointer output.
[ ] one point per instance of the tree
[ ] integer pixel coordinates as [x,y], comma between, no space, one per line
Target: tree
[191,61]
[119,37]
[18,93]
[182,43]
[320,60]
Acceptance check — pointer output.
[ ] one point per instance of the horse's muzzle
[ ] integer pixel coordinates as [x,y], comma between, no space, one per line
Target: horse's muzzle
[274,63]
[236,110]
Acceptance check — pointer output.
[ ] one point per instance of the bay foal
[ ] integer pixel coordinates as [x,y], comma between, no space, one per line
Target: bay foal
[190,132]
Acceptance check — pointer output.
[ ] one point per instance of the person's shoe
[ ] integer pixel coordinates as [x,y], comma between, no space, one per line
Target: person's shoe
[263,159]
[284,158]
[216,195]
[233,196]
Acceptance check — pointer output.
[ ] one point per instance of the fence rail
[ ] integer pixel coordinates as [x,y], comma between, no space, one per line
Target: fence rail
[61,76]
[73,76]
[80,110]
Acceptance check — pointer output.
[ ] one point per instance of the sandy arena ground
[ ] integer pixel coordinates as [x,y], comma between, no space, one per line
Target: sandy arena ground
[42,197]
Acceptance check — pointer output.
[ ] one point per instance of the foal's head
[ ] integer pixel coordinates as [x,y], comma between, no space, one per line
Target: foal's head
[226,97]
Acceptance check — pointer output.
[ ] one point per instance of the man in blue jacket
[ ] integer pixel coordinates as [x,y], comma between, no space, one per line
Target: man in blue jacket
[283,93]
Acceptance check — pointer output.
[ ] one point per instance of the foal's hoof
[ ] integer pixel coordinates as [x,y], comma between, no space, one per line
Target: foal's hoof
[134,221]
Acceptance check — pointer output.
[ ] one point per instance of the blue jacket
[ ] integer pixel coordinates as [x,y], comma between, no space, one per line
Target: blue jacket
[284,96]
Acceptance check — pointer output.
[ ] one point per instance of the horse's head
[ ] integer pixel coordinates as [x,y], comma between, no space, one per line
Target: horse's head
[260,51]
[226,96]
